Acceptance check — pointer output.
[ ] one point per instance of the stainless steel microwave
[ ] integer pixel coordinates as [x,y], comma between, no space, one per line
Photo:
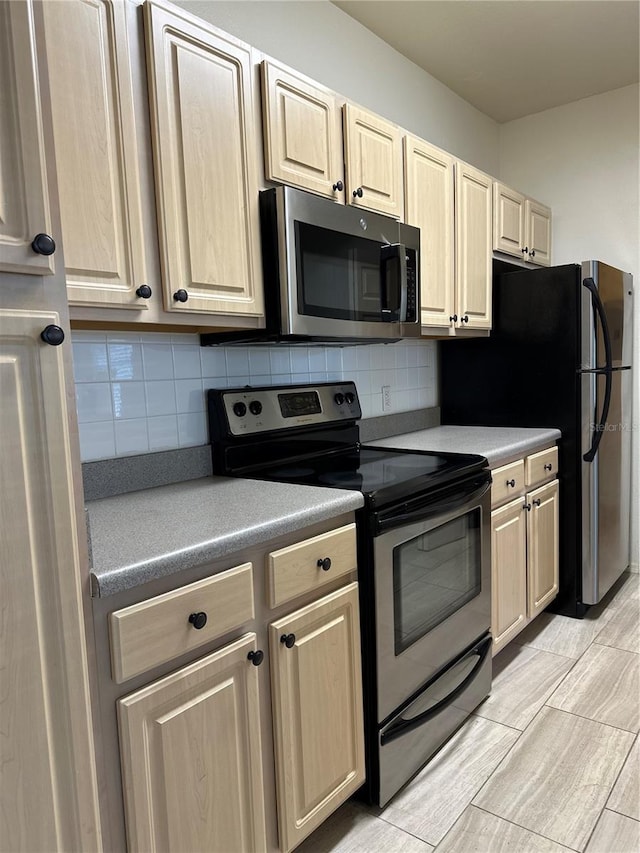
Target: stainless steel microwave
[334,273]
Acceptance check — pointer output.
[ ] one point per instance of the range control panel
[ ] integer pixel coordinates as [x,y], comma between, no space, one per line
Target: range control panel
[253,410]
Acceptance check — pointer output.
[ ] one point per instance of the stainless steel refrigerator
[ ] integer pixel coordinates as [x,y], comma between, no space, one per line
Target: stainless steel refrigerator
[559,355]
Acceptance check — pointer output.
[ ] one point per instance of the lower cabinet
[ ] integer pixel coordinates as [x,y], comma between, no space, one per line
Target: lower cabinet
[192,758]
[524,561]
[317,711]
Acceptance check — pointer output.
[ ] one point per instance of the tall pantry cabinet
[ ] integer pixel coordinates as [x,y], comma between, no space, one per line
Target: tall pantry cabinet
[47,762]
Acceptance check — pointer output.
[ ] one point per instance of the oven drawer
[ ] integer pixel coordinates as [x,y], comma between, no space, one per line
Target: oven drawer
[310,565]
[541,466]
[508,482]
[158,630]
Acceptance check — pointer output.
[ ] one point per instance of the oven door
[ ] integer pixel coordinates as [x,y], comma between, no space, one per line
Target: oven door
[432,575]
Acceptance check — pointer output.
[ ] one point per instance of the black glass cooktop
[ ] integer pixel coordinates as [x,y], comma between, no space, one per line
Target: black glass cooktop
[380,473]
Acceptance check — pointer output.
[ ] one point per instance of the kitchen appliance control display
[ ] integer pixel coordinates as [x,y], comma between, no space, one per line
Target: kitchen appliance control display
[300,403]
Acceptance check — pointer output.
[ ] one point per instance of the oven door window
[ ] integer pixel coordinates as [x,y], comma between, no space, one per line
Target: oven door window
[434,575]
[339,275]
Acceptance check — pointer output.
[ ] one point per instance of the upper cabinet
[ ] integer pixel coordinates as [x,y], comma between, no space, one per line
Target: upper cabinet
[373,158]
[96,154]
[302,132]
[205,151]
[473,248]
[521,226]
[428,189]
[26,241]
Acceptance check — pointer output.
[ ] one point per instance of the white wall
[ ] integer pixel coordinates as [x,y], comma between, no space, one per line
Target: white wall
[322,41]
[582,160]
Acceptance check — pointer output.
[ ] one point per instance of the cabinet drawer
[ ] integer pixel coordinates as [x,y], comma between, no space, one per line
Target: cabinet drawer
[154,631]
[295,570]
[541,466]
[508,482]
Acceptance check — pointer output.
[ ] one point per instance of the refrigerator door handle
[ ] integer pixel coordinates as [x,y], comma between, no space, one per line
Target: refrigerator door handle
[599,428]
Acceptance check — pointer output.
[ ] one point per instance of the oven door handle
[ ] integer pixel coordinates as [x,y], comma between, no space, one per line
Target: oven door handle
[402,727]
[427,509]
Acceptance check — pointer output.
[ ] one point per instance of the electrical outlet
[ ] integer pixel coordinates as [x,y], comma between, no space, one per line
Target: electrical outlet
[386,398]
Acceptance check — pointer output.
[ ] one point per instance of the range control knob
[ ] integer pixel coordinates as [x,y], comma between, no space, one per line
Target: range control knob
[239,409]
[339,398]
[350,397]
[255,407]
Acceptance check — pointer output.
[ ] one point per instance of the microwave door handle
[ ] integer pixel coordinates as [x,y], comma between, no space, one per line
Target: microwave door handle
[402,726]
[393,275]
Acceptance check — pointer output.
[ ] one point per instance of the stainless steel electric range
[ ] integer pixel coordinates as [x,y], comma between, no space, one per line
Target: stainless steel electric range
[423,559]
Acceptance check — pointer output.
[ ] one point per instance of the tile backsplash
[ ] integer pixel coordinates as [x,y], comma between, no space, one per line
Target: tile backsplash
[144,392]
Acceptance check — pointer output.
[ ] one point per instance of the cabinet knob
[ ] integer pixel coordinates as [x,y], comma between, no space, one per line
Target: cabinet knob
[324,564]
[338,186]
[288,640]
[537,501]
[144,292]
[52,335]
[464,319]
[198,620]
[357,193]
[43,244]
[525,250]
[532,253]
[256,657]
[453,318]
[527,507]
[511,483]
[548,467]
[180,295]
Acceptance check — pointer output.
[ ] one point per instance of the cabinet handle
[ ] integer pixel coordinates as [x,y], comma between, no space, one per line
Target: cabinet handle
[52,335]
[180,295]
[357,193]
[43,244]
[464,319]
[288,640]
[537,501]
[256,657]
[548,467]
[453,318]
[144,292]
[324,564]
[338,186]
[532,253]
[525,250]
[511,483]
[198,620]
[527,507]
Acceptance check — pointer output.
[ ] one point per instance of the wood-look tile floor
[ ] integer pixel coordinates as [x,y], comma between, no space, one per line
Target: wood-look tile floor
[550,762]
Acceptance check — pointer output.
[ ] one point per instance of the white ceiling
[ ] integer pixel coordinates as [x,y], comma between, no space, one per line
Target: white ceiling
[510,58]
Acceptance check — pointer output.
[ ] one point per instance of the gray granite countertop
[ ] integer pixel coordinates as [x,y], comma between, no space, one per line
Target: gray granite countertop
[141,536]
[499,445]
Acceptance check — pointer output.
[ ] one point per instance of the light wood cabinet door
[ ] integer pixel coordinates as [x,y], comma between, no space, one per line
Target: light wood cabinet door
[542,546]
[317,711]
[373,157]
[508,573]
[24,197]
[96,155]
[302,132]
[538,240]
[206,151]
[191,757]
[473,247]
[428,192]
[49,798]
[508,221]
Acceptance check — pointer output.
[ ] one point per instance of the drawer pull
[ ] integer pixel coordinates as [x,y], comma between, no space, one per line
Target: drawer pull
[537,501]
[198,620]
[548,467]
[288,640]
[256,657]
[324,564]
[511,483]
